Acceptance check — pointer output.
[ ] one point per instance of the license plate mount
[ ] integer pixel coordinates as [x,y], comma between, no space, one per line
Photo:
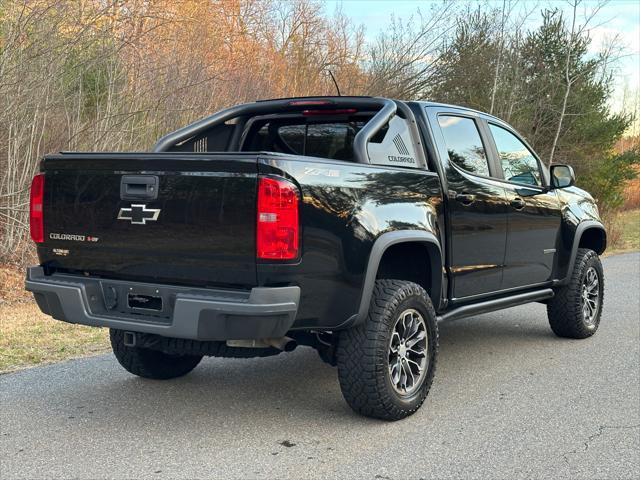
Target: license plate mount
[140,301]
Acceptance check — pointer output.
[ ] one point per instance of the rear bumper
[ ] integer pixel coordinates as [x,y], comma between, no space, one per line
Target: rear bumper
[197,314]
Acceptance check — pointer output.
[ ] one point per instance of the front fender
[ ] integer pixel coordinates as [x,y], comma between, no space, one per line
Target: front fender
[579,231]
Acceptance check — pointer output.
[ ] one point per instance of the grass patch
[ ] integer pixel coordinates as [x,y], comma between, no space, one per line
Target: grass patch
[12,285]
[624,231]
[630,221]
[28,337]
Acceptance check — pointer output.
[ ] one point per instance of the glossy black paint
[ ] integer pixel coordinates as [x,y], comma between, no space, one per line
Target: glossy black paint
[204,234]
[477,233]
[580,221]
[507,238]
[345,208]
[534,226]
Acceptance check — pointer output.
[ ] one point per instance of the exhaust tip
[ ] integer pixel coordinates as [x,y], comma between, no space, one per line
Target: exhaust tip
[290,345]
[286,344]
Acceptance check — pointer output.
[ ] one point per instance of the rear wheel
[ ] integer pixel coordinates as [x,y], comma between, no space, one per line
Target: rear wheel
[575,310]
[386,365]
[147,363]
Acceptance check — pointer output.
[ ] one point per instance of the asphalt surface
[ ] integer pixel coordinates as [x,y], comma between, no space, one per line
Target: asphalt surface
[510,400]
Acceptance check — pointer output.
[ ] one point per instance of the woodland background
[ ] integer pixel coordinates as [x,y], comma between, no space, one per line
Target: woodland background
[116,75]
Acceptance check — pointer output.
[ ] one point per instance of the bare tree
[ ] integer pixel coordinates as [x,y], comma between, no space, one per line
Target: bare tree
[496,74]
[404,60]
[569,76]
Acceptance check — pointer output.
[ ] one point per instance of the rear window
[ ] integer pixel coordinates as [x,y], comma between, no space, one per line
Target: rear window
[332,140]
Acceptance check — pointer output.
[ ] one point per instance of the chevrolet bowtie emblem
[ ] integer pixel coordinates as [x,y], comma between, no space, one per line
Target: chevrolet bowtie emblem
[139,214]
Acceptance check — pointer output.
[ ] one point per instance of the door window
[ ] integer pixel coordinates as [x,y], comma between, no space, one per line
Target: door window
[518,163]
[464,144]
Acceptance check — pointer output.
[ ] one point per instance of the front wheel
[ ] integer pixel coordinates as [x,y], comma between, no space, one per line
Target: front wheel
[147,363]
[386,365]
[576,308]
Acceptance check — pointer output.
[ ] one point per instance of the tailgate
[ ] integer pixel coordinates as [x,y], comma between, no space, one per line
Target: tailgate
[161,217]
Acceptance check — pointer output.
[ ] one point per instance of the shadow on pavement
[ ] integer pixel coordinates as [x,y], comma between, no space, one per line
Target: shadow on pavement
[295,387]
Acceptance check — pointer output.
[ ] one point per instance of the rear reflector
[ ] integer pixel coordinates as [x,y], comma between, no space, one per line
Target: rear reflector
[277,232]
[36,218]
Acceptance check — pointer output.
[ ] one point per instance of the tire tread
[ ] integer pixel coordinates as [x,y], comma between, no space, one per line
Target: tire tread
[564,311]
[361,372]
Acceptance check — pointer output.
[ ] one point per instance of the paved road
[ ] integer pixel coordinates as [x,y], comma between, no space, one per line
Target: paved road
[509,400]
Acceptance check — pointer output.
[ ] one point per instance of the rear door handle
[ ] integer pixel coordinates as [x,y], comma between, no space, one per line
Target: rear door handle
[518,203]
[465,198]
[139,187]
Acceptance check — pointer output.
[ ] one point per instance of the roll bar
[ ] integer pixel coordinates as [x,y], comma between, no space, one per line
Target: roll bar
[372,127]
[387,109]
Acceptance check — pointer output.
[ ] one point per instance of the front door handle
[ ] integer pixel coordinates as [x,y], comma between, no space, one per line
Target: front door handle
[518,203]
[465,198]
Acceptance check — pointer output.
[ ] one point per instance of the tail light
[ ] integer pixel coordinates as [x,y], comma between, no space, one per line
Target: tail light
[36,217]
[277,236]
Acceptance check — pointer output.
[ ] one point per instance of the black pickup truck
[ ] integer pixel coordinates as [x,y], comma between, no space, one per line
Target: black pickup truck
[349,224]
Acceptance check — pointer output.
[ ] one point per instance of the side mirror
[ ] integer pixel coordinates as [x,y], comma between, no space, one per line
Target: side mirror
[562,176]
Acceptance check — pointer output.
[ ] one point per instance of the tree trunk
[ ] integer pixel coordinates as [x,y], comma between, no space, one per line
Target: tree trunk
[497,71]
[568,81]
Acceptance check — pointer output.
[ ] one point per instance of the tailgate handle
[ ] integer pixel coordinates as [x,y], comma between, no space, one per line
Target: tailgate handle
[139,187]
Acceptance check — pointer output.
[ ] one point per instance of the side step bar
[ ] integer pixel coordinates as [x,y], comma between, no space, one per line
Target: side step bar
[497,304]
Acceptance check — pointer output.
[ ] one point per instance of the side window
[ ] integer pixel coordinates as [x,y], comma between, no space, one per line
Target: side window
[464,144]
[518,164]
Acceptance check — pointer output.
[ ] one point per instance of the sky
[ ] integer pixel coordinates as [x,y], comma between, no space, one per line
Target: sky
[621,17]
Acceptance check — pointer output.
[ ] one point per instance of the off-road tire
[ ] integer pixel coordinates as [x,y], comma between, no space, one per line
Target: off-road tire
[148,363]
[565,308]
[363,353]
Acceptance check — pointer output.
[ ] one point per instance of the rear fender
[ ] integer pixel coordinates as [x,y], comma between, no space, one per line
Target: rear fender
[382,243]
